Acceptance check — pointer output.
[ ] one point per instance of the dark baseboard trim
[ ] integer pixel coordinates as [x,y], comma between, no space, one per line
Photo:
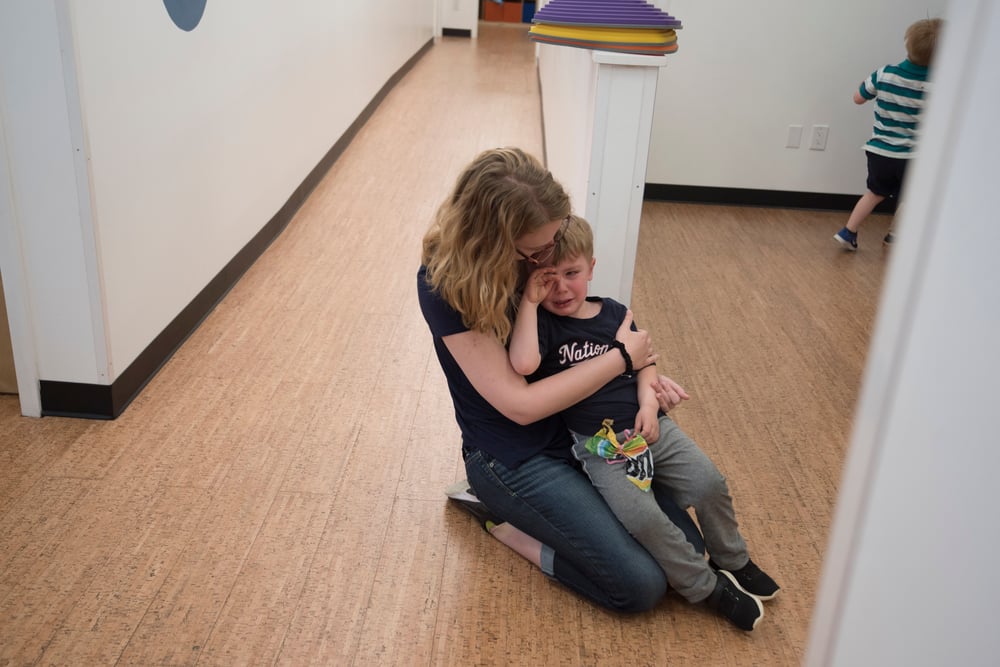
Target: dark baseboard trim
[455,32]
[99,401]
[698,194]
[75,399]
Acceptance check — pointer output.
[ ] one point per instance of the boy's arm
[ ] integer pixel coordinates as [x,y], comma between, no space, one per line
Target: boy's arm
[867,90]
[647,419]
[523,351]
[524,354]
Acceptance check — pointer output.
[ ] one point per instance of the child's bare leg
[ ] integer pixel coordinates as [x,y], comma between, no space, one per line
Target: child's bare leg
[869,200]
[522,543]
[890,236]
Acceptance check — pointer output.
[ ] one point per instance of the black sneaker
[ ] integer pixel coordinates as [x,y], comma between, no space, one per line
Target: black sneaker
[483,515]
[752,579]
[889,239]
[742,609]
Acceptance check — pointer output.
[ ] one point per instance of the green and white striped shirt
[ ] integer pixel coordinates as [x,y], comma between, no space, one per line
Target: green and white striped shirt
[898,91]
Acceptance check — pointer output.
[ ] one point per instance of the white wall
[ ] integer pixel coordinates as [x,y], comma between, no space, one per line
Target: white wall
[198,138]
[744,72]
[910,572]
[144,157]
[459,15]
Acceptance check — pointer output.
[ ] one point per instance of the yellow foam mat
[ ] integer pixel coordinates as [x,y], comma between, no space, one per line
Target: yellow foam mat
[618,35]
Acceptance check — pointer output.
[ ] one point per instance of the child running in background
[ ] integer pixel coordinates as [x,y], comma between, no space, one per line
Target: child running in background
[644,447]
[898,91]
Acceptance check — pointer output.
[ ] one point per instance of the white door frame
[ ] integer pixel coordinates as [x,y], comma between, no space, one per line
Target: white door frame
[16,293]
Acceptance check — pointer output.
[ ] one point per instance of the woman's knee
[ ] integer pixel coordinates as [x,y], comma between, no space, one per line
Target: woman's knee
[640,597]
[640,588]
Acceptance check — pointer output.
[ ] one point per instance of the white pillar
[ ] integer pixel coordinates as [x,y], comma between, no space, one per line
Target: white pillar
[623,100]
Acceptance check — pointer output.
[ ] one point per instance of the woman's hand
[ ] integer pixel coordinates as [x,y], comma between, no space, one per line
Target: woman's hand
[669,394]
[638,344]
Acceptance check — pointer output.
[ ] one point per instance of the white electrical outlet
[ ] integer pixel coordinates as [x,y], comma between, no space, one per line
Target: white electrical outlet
[818,140]
[794,136]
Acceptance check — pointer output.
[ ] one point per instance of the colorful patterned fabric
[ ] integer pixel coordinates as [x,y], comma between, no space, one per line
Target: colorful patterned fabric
[633,452]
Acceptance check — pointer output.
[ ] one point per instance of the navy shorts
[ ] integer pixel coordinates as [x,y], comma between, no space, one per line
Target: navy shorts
[885,174]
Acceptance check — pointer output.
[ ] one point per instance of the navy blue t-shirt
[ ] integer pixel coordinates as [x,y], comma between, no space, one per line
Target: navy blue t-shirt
[566,341]
[482,426]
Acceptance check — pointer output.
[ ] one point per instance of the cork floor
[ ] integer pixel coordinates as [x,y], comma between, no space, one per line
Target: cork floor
[274,495]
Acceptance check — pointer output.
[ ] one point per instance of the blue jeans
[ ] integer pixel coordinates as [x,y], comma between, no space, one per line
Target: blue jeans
[592,553]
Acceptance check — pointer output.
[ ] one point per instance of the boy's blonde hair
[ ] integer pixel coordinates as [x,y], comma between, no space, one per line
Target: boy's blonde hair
[578,241]
[921,40]
[469,250]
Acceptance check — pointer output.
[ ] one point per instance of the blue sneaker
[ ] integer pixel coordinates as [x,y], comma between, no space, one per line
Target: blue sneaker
[847,238]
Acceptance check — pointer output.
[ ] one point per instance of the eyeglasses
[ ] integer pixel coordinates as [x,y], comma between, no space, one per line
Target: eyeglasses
[545,253]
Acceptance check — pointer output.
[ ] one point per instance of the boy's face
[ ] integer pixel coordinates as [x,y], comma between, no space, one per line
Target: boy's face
[569,287]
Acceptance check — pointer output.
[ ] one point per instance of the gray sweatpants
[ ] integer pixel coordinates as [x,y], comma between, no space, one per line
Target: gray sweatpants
[689,476]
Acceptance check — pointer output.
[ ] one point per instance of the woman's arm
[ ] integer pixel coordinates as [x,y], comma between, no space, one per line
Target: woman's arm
[485,363]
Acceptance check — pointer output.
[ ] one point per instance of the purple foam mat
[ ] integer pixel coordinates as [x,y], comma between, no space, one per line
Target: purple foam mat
[586,4]
[601,6]
[612,22]
[661,37]
[633,12]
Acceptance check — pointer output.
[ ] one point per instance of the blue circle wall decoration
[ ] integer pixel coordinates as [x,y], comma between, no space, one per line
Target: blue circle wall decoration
[186,14]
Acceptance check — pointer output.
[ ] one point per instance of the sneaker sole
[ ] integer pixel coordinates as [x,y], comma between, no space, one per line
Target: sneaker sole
[762,598]
[760,605]
[846,244]
[460,491]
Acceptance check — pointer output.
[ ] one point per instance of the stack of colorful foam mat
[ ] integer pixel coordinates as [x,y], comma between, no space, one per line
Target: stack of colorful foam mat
[625,26]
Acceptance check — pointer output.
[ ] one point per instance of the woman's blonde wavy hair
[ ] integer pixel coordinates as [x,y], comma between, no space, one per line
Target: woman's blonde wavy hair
[469,250]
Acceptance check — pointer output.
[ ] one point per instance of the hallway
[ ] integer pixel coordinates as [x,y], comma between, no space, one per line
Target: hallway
[274,495]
